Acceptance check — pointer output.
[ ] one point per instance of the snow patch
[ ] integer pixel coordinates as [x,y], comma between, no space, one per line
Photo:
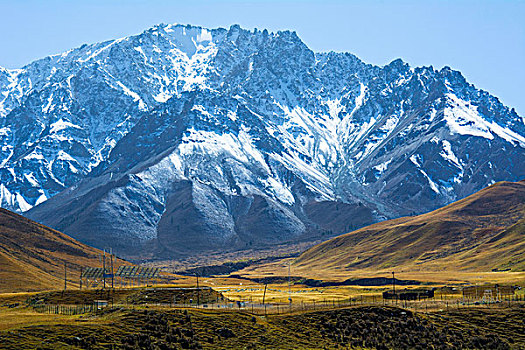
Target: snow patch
[415,158]
[232,115]
[432,184]
[463,118]
[134,95]
[204,35]
[280,192]
[433,114]
[46,108]
[5,131]
[359,99]
[41,199]
[35,154]
[162,96]
[22,204]
[31,179]
[383,166]
[61,125]
[449,155]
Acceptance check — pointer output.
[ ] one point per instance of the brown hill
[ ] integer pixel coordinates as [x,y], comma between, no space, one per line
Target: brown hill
[482,232]
[32,256]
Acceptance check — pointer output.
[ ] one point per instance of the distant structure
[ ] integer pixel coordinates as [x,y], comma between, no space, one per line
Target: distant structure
[137,275]
[488,293]
[106,277]
[100,304]
[125,276]
[93,277]
[416,294]
[413,294]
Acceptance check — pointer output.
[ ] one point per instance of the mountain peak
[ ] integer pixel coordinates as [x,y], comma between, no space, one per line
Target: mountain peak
[398,65]
[258,129]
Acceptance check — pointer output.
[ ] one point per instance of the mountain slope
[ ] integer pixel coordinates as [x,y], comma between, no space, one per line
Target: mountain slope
[262,137]
[32,256]
[482,232]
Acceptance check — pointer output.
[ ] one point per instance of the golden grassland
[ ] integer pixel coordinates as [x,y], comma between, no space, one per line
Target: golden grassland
[133,325]
[17,275]
[362,327]
[279,293]
[32,256]
[482,232]
[16,318]
[339,274]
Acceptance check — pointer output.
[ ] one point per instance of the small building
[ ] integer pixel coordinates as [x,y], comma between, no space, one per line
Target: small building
[100,304]
[415,294]
[489,291]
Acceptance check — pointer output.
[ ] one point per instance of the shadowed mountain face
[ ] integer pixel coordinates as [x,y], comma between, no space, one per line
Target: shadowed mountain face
[484,231]
[32,256]
[184,139]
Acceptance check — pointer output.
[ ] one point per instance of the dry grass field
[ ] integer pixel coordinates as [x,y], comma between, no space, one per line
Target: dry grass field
[361,327]
[136,320]
[440,277]
[482,232]
[32,256]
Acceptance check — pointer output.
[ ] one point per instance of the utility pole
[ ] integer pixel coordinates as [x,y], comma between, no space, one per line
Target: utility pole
[65,276]
[112,274]
[81,277]
[198,290]
[289,284]
[394,285]
[104,269]
[264,296]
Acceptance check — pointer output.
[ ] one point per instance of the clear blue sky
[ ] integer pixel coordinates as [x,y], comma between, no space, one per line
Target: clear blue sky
[483,39]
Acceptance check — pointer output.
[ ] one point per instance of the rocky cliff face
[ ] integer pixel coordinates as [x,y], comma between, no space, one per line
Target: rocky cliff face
[184,139]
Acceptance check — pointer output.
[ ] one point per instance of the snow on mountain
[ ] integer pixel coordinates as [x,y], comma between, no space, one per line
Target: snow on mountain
[200,138]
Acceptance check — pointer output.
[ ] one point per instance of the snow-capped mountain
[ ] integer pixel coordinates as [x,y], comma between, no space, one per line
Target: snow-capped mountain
[220,139]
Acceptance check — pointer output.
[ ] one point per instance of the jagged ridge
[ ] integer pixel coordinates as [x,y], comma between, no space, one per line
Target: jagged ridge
[251,128]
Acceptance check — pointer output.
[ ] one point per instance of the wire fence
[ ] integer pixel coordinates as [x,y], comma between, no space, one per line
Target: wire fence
[439,303]
[66,309]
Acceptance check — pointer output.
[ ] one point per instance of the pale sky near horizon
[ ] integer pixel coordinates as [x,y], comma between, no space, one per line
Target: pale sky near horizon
[483,39]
